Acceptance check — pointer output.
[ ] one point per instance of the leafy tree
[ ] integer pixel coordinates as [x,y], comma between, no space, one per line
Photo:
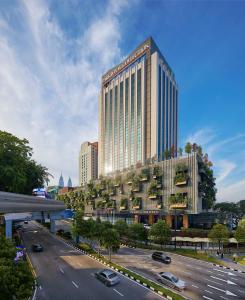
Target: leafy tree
[111,241]
[180,151]
[160,232]
[188,148]
[240,233]
[15,277]
[138,232]
[121,227]
[19,173]
[207,186]
[241,204]
[219,234]
[227,207]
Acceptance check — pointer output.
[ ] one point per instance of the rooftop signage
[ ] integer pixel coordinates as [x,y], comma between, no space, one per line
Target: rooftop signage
[126,62]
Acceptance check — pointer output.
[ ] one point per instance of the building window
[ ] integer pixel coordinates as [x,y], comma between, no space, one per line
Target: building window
[139,117]
[132,140]
[121,127]
[126,123]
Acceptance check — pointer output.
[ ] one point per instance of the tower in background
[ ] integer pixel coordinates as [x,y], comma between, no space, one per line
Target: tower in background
[138,110]
[61,181]
[88,162]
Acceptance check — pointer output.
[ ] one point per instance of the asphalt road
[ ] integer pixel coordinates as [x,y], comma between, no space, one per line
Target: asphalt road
[204,280]
[65,273]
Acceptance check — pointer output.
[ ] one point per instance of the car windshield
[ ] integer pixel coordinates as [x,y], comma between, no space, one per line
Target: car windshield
[112,275]
[175,279]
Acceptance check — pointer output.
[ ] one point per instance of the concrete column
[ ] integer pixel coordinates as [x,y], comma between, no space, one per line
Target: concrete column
[151,219]
[52,225]
[8,229]
[169,220]
[136,218]
[185,221]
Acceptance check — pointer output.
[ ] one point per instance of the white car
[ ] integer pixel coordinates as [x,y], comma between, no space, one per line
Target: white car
[171,280]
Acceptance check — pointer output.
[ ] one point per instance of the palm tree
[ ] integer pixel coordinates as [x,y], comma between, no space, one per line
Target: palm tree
[188,148]
[180,151]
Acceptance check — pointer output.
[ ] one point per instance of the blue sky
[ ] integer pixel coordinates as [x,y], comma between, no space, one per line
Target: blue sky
[53,53]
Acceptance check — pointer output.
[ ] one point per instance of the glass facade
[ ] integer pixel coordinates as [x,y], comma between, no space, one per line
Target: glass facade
[132,121]
[115,166]
[139,117]
[159,121]
[126,123]
[121,128]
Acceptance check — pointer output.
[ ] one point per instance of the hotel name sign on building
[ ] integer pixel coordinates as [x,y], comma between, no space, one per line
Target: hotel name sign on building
[124,64]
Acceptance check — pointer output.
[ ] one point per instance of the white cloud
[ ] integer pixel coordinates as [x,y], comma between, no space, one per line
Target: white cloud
[232,192]
[49,83]
[228,158]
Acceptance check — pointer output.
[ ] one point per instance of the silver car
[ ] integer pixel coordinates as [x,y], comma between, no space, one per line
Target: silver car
[108,277]
[171,280]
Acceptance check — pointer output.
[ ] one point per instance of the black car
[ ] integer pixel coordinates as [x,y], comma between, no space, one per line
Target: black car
[160,256]
[37,248]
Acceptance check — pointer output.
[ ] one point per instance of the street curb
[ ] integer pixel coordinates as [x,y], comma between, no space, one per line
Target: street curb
[229,268]
[125,273]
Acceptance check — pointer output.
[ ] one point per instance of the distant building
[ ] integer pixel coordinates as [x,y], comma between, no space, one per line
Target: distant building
[65,190]
[138,110]
[61,181]
[69,183]
[88,162]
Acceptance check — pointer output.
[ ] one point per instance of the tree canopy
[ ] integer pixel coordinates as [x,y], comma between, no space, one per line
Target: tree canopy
[19,173]
[15,277]
[160,232]
[219,234]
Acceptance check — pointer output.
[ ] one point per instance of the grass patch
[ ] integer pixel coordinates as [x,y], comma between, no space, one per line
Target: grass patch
[241,260]
[157,287]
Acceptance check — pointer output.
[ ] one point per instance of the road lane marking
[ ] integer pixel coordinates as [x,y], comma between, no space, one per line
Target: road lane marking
[214,282]
[198,268]
[226,292]
[207,298]
[195,286]
[208,292]
[62,271]
[224,298]
[229,273]
[75,284]
[241,291]
[189,265]
[118,292]
[227,281]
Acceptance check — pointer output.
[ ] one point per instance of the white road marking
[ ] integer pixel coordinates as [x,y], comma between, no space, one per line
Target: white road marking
[75,284]
[224,298]
[198,268]
[241,291]
[62,271]
[118,292]
[208,298]
[189,265]
[229,273]
[214,281]
[227,281]
[208,292]
[226,292]
[40,287]
[195,286]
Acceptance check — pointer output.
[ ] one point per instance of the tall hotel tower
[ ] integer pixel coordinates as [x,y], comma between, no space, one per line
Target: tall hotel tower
[138,110]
